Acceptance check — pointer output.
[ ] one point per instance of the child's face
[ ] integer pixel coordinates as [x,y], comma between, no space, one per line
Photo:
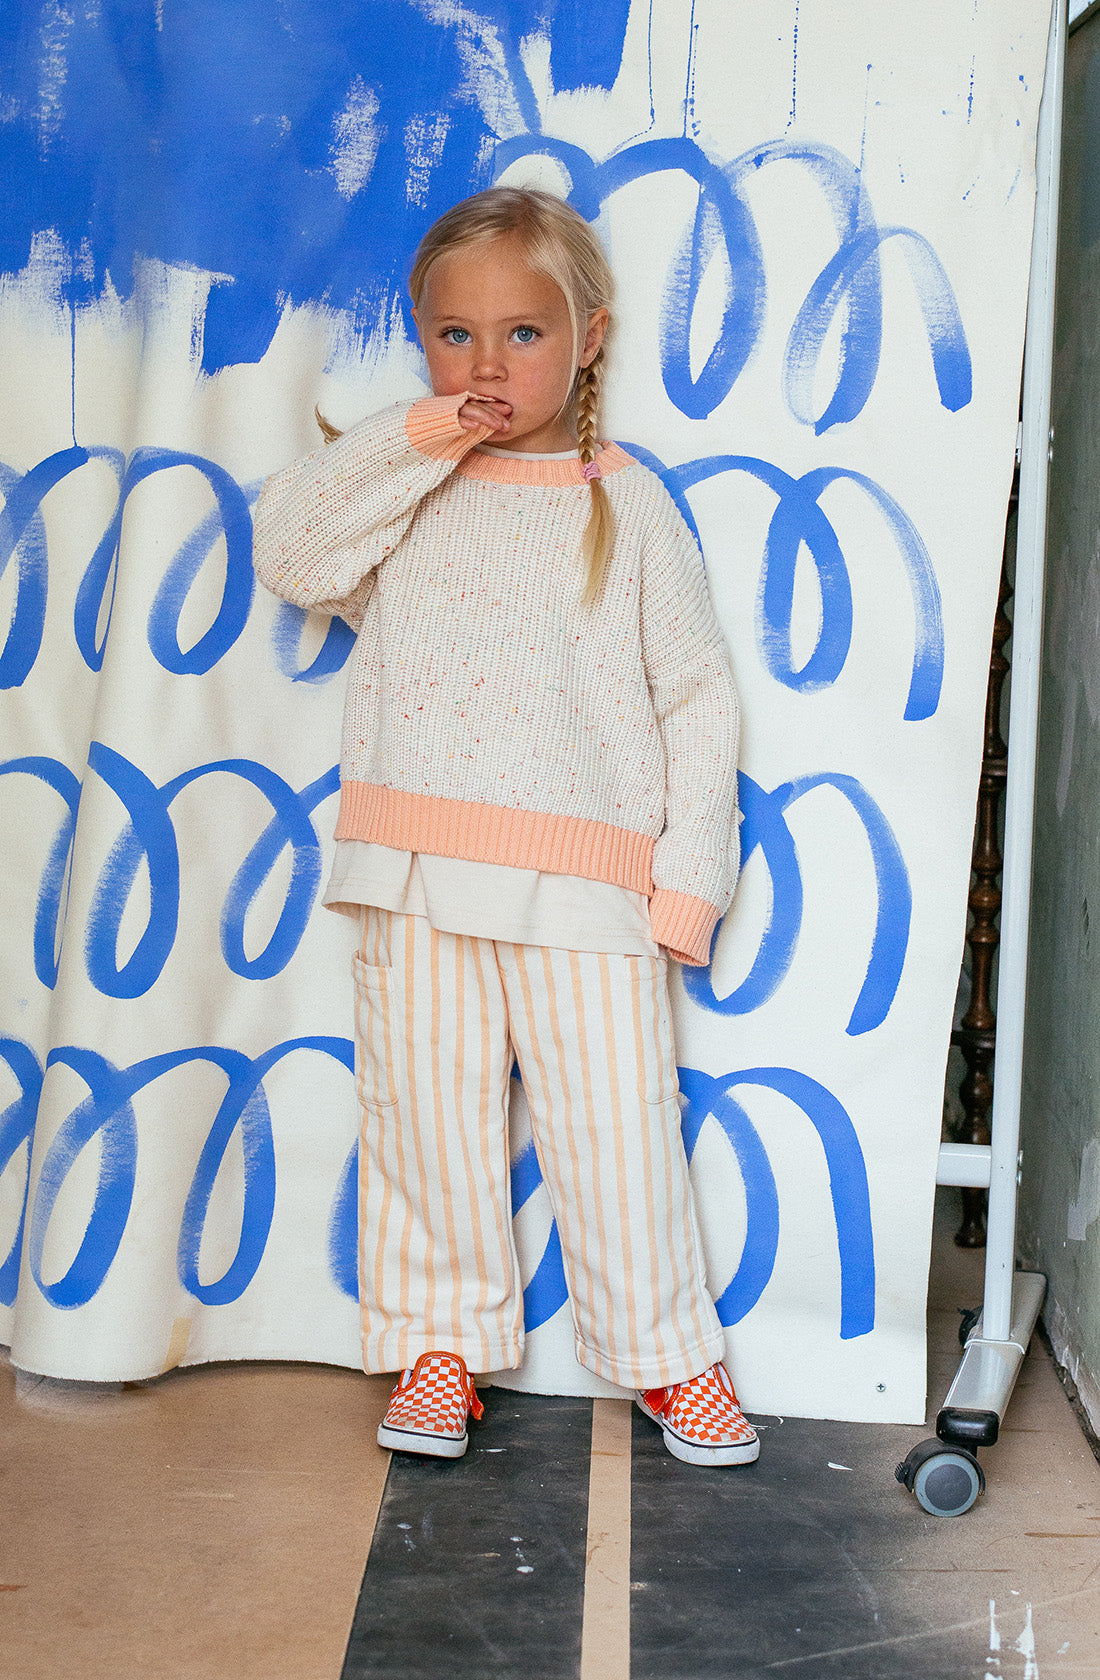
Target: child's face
[491,326]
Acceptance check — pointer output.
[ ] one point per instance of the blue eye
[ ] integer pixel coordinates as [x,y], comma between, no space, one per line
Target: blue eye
[457,335]
[526,335]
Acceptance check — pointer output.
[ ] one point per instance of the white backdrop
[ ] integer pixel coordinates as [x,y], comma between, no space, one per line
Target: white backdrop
[820,216]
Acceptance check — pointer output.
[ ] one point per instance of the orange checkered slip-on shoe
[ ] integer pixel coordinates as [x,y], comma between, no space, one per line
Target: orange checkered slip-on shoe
[702,1422]
[429,1407]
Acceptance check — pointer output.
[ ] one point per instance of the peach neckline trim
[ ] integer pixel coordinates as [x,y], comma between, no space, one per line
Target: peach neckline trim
[517,469]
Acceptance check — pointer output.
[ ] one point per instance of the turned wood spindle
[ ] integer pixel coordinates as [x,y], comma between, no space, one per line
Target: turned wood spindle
[976,1034]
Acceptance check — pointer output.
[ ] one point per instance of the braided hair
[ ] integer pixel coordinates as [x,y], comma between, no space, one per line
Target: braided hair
[596,542]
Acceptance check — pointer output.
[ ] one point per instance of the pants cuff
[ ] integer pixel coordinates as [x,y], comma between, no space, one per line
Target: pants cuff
[653,1373]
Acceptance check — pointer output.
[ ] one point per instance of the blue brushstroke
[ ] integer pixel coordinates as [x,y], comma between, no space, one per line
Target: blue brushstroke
[149,837]
[209,134]
[52,898]
[288,827]
[107,1114]
[586,44]
[708,1098]
[343,1227]
[229,519]
[723,228]
[17,1124]
[525,1175]
[765,825]
[547,1291]
[23,534]
[838,284]
[299,155]
[286,638]
[798,524]
[91,624]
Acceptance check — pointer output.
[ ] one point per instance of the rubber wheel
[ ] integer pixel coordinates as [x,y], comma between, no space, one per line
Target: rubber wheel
[945,1479]
[948,1483]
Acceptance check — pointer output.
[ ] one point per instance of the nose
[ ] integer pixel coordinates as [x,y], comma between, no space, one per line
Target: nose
[488,362]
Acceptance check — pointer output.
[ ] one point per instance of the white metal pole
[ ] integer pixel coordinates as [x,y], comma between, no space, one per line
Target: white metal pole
[1027,642]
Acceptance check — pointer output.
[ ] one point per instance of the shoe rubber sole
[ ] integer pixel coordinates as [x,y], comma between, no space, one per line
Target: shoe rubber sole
[412,1441]
[690,1452]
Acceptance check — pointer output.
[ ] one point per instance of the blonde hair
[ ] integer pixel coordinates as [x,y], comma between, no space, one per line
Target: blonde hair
[557,242]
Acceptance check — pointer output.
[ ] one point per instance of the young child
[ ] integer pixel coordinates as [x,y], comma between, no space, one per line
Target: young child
[537,794]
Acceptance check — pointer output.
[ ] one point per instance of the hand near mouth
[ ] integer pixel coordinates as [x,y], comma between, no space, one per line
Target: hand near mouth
[478,411]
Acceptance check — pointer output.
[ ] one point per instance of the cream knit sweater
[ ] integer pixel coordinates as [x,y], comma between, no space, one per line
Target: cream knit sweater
[490,715]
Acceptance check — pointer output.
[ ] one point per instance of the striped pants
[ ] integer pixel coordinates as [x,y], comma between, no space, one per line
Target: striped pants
[439,1019]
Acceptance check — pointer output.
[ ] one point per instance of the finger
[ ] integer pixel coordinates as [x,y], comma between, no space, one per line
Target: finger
[473,418]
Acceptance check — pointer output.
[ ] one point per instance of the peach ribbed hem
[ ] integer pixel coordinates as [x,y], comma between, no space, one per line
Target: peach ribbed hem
[431,426]
[683,925]
[414,822]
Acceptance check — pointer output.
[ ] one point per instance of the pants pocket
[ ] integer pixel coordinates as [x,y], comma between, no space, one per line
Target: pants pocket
[375,1037]
[657,1078]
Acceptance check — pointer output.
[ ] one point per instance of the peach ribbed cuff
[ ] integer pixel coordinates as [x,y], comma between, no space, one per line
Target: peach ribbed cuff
[431,426]
[414,822]
[683,925]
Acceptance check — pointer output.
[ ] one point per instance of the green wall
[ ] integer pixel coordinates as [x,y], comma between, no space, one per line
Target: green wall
[1060,1195]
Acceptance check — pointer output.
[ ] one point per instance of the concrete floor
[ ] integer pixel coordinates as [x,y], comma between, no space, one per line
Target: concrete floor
[215,1525]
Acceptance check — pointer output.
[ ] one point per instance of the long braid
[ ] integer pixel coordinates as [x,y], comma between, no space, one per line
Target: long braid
[596,542]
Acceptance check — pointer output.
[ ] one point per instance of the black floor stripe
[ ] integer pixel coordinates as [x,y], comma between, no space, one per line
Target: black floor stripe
[477,1565]
[736,1572]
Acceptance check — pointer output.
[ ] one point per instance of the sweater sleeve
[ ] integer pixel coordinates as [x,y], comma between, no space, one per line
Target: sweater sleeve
[696,858]
[323,524]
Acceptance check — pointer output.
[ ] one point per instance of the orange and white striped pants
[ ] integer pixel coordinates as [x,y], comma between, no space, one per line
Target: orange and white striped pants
[439,1019]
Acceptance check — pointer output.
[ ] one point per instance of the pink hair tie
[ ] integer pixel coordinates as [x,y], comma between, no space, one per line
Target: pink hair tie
[591,471]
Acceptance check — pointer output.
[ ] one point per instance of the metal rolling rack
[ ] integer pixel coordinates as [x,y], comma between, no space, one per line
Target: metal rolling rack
[944,1473]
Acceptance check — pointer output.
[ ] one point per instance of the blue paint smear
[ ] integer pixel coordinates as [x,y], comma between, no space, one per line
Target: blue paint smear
[17,1123]
[794,69]
[52,898]
[525,1176]
[107,1114]
[270,144]
[343,1225]
[849,287]
[547,1291]
[149,837]
[586,44]
[106,1117]
[765,824]
[799,521]
[710,1098]
[301,153]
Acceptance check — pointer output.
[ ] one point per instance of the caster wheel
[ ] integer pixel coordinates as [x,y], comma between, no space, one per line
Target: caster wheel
[946,1480]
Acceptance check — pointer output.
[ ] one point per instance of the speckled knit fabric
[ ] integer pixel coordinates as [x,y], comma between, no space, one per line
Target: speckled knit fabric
[489,714]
